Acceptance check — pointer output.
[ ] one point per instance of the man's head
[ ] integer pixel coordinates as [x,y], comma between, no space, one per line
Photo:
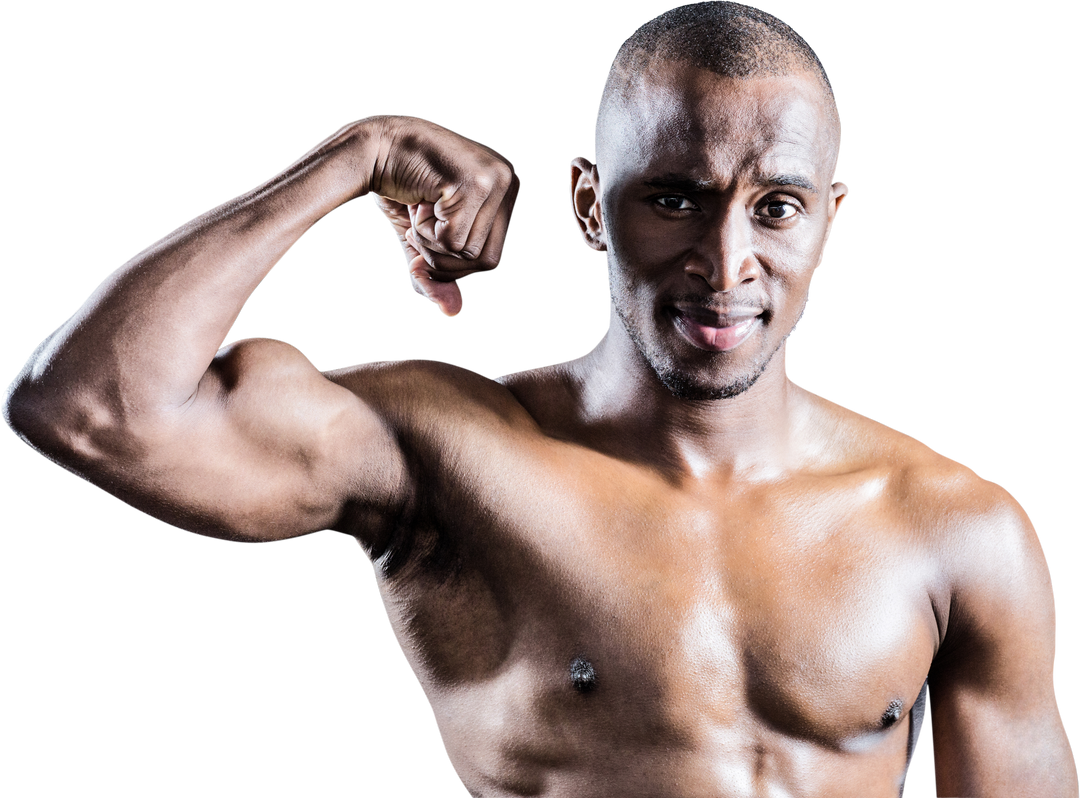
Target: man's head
[728,39]
[716,142]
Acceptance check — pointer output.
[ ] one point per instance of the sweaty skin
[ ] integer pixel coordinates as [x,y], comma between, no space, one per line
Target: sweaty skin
[607,585]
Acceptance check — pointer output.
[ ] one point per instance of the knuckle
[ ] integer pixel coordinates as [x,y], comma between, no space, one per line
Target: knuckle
[503,174]
[485,181]
[486,262]
[494,175]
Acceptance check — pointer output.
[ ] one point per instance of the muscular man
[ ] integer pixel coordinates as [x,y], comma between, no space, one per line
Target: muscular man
[661,569]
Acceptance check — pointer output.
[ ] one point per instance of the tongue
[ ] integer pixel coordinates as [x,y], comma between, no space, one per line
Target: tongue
[717,339]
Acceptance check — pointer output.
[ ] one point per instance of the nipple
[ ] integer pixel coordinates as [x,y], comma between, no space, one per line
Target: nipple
[892,714]
[582,675]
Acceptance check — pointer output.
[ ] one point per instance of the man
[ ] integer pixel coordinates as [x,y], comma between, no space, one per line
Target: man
[625,574]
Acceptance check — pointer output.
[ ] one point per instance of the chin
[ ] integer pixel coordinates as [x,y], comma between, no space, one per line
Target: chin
[687,382]
[690,386]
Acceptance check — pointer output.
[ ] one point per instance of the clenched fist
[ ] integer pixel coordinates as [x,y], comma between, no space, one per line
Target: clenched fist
[449,200]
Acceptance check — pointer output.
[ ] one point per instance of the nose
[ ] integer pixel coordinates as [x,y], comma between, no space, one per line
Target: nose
[724,256]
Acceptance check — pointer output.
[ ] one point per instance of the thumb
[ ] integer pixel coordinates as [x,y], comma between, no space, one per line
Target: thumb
[445,295]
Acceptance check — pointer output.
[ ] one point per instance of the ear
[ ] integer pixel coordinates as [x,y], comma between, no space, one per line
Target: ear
[585,189]
[838,194]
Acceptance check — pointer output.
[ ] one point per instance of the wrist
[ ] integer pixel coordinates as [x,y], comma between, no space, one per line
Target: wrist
[341,167]
[347,158]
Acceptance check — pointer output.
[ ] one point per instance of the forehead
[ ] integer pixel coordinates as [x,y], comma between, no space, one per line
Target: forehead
[676,118]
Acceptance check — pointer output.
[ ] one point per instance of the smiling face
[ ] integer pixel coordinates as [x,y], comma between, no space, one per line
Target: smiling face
[712,197]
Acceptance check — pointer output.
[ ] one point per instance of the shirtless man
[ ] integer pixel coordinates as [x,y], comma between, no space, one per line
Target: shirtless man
[661,569]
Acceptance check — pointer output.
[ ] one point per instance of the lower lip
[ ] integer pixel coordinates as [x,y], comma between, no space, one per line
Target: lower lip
[716,339]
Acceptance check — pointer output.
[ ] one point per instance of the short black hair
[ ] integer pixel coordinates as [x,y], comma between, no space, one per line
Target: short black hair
[729,39]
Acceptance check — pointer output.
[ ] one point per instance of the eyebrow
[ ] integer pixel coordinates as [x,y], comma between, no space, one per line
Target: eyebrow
[680,183]
[673,182]
[785,179]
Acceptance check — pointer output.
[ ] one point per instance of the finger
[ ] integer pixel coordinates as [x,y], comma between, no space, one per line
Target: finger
[423,220]
[449,265]
[462,224]
[445,294]
[411,252]
[454,213]
[426,228]
[447,297]
[491,253]
[441,266]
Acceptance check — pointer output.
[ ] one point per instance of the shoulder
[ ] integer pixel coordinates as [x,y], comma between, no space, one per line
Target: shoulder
[931,488]
[920,476]
[976,568]
[984,552]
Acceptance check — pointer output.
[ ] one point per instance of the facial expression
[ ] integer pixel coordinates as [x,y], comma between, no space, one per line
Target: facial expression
[712,197]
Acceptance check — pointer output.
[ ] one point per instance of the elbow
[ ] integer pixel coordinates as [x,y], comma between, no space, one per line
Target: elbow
[71,427]
[29,403]
[24,409]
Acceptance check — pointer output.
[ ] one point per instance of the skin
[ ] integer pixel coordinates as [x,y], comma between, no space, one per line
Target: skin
[604,588]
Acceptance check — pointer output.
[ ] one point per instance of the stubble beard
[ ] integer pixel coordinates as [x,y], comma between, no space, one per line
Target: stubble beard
[681,384]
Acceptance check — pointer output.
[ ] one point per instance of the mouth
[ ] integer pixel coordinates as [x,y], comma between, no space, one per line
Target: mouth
[714,331]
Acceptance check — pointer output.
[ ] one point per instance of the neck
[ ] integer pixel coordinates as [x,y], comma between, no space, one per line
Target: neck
[748,434]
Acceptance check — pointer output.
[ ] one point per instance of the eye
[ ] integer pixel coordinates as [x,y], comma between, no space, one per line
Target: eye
[777,209]
[673,202]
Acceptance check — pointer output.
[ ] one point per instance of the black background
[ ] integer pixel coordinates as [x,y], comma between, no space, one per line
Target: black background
[149,658]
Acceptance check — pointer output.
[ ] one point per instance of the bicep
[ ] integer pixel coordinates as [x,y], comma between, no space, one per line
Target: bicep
[997,730]
[268,448]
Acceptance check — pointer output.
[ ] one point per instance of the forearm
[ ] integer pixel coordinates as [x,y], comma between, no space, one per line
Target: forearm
[143,341]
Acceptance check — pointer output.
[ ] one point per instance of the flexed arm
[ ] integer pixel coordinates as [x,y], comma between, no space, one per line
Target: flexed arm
[253,442]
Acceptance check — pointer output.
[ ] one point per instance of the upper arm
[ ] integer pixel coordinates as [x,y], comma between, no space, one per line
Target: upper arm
[997,730]
[266,448]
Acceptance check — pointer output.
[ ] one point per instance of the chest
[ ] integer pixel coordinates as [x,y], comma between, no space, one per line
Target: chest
[802,606]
